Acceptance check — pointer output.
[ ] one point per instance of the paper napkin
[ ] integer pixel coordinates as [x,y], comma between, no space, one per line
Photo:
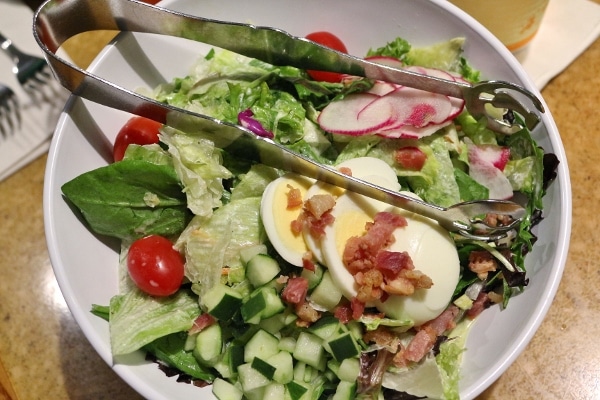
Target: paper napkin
[38,118]
[567,29]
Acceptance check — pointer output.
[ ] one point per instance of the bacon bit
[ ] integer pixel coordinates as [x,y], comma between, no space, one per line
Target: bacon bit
[294,197]
[295,291]
[391,263]
[358,308]
[203,321]
[360,252]
[481,303]
[495,298]
[319,204]
[383,337]
[307,261]
[346,171]
[481,262]
[428,333]
[282,279]
[316,215]
[225,271]
[410,157]
[343,312]
[369,285]
[497,219]
[306,314]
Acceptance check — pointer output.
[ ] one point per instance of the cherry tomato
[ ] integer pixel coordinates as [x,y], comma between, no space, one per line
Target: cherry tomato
[138,130]
[155,266]
[327,39]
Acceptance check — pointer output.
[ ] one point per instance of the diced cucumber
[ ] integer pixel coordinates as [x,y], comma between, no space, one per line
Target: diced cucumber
[284,366]
[326,294]
[209,343]
[221,301]
[309,349]
[342,346]
[255,394]
[274,391]
[349,370]
[263,303]
[190,342]
[325,327]
[246,253]
[250,378]
[235,356]
[261,269]
[345,391]
[224,390]
[262,344]
[287,343]
[356,329]
[313,277]
[299,369]
[278,321]
[295,390]
[263,367]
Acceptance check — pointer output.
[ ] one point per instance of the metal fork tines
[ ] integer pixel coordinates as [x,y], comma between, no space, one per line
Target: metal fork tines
[10,115]
[32,72]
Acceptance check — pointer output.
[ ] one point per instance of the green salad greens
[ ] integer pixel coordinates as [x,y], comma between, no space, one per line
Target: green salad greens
[234,322]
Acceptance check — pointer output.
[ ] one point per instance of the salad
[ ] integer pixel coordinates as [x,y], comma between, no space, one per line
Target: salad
[271,285]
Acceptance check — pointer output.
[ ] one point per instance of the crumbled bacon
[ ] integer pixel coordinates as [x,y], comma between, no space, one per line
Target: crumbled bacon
[307,261]
[316,215]
[346,171]
[295,290]
[358,308]
[306,314]
[481,262]
[494,220]
[203,321]
[481,303]
[343,312]
[428,333]
[379,272]
[294,198]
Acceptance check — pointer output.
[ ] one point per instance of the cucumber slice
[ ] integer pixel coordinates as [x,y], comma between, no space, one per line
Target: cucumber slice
[250,378]
[262,344]
[261,269]
[326,294]
[309,349]
[209,343]
[224,390]
[263,303]
[342,346]
[221,301]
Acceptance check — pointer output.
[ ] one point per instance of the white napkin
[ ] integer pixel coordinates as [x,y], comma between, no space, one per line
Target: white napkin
[567,29]
[38,119]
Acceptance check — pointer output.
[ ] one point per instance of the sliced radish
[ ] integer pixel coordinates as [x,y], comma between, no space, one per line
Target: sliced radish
[483,171]
[381,88]
[353,116]
[496,155]
[418,108]
[410,132]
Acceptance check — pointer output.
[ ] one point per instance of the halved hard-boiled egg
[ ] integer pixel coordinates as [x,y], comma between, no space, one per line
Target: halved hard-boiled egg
[430,247]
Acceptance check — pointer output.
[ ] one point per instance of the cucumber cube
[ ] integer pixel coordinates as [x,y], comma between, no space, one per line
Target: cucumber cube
[284,367]
[262,344]
[326,294]
[295,390]
[349,370]
[263,367]
[224,390]
[261,269]
[343,346]
[250,378]
[309,349]
[221,301]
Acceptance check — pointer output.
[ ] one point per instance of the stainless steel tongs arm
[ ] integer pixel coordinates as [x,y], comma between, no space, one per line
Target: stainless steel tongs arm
[51,32]
[273,46]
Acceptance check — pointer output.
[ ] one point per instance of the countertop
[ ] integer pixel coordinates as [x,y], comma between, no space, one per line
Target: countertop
[46,355]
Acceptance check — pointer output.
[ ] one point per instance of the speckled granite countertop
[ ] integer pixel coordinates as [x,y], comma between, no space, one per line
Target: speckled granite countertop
[46,356]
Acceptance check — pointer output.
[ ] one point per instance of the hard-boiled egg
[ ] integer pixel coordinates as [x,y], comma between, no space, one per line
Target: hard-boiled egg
[430,247]
[277,218]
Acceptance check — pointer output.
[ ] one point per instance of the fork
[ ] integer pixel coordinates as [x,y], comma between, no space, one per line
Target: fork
[10,115]
[32,72]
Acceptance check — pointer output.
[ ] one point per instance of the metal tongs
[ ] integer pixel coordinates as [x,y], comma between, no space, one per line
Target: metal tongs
[58,20]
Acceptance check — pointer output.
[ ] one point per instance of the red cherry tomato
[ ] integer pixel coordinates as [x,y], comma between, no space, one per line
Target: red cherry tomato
[138,130]
[327,39]
[155,266]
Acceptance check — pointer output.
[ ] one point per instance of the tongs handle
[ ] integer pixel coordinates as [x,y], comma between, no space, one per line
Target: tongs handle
[50,32]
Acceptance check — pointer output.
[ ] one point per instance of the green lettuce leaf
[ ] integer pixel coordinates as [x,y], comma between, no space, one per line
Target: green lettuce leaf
[137,319]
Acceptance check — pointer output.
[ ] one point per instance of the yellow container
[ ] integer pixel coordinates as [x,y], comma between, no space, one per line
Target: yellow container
[514,22]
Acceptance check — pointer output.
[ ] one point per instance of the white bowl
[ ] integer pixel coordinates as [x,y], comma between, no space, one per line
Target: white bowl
[85,265]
